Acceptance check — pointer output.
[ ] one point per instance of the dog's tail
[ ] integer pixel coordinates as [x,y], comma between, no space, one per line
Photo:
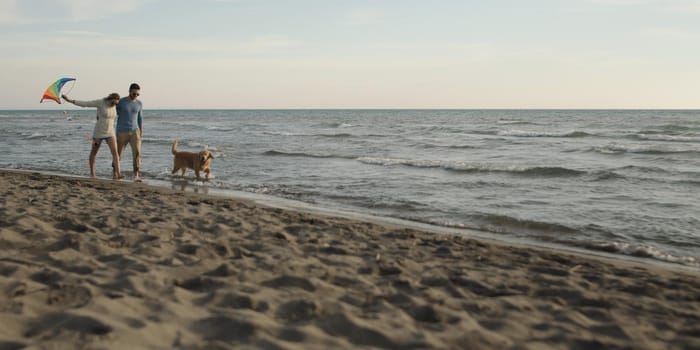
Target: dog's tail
[174,147]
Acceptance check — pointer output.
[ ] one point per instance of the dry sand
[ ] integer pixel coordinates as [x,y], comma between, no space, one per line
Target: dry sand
[116,265]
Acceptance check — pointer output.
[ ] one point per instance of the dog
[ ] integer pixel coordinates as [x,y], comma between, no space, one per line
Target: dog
[197,161]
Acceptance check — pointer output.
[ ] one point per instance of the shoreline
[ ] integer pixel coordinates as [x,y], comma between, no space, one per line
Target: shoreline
[186,185]
[101,263]
[491,238]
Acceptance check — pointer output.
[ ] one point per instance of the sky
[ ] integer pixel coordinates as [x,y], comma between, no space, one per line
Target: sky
[279,54]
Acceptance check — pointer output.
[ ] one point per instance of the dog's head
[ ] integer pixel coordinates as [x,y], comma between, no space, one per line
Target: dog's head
[205,156]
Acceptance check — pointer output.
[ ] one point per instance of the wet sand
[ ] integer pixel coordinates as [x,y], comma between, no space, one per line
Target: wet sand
[111,264]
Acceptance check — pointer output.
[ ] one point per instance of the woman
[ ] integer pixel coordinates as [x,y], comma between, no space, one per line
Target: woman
[104,129]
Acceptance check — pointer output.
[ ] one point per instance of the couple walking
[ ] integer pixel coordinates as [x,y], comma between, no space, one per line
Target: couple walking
[129,129]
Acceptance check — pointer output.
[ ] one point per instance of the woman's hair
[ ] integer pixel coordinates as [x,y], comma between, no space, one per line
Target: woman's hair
[112,96]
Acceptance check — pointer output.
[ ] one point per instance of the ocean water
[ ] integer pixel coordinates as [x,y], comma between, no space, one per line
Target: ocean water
[624,182]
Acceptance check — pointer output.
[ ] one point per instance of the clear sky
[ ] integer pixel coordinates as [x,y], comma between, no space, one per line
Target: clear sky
[356,53]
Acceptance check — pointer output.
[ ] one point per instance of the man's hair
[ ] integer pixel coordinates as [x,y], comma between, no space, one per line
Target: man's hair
[134,86]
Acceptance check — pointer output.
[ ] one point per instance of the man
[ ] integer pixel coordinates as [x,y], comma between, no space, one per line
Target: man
[130,126]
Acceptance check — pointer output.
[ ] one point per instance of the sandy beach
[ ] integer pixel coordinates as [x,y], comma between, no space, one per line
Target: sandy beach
[101,264]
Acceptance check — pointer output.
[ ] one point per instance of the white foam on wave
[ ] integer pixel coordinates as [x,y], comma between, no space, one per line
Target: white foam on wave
[615,148]
[669,138]
[652,252]
[280,133]
[524,133]
[187,124]
[461,166]
[511,122]
[219,128]
[196,144]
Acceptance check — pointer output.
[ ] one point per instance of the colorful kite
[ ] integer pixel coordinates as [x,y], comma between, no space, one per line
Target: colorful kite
[53,92]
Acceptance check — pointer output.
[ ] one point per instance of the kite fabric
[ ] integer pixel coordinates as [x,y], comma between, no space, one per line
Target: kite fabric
[53,92]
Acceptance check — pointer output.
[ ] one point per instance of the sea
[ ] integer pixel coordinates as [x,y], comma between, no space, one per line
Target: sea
[619,182]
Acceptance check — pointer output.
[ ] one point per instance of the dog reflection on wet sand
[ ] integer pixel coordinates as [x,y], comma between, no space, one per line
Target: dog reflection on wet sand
[197,161]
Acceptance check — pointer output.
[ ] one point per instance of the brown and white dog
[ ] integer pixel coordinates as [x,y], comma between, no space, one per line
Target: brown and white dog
[197,161]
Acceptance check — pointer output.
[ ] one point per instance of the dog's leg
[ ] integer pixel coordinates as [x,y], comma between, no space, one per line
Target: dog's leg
[196,172]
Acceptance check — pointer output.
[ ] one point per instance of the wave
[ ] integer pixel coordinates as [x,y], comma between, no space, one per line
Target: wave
[329,135]
[37,135]
[186,124]
[657,149]
[157,141]
[667,138]
[444,129]
[605,175]
[48,137]
[336,125]
[639,250]
[219,128]
[658,175]
[548,231]
[433,145]
[198,125]
[380,203]
[472,168]
[671,127]
[643,169]
[507,224]
[183,145]
[341,135]
[483,132]
[647,132]
[461,147]
[454,166]
[280,133]
[195,144]
[689,182]
[521,133]
[513,122]
[298,154]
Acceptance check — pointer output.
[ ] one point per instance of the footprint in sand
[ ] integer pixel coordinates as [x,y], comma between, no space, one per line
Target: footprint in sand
[223,270]
[70,225]
[290,282]
[296,311]
[223,328]
[240,302]
[291,335]
[55,323]
[339,325]
[69,296]
[10,345]
[200,284]
[15,289]
[47,277]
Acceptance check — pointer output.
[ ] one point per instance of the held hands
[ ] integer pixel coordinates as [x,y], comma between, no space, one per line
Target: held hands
[67,99]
